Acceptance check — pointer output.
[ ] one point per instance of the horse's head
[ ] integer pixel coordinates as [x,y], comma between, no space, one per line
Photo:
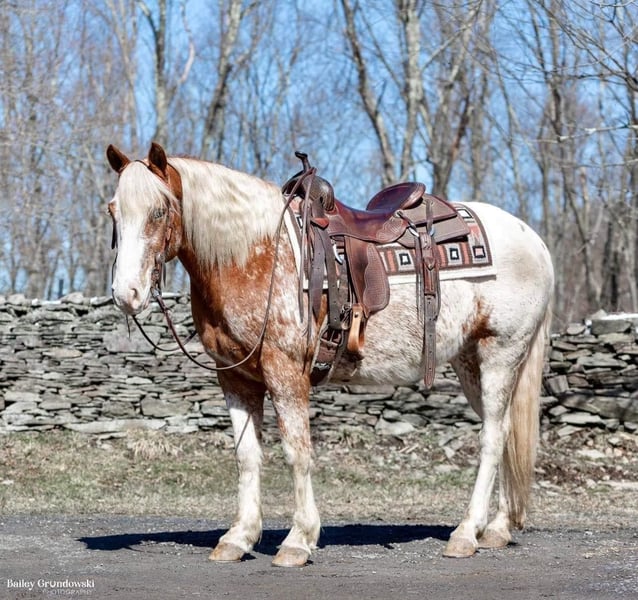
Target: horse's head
[147,224]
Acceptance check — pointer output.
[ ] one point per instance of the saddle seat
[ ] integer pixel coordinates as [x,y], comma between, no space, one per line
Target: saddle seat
[391,212]
[379,222]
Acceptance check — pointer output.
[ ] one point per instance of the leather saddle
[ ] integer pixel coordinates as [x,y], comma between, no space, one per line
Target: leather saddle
[343,251]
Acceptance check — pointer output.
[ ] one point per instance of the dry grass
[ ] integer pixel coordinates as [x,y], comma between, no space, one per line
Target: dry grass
[195,475]
[143,473]
[359,476]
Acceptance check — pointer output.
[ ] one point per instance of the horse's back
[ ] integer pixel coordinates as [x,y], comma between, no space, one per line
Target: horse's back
[511,303]
[518,251]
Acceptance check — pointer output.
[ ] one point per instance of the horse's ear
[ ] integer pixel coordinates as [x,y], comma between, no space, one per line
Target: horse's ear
[117,159]
[157,158]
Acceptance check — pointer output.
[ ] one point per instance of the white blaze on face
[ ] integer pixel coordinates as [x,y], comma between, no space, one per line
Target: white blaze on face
[132,277]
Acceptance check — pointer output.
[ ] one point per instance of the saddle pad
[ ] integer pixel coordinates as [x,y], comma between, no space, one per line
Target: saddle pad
[462,259]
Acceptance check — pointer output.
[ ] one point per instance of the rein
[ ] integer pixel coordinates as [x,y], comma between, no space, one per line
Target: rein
[156,293]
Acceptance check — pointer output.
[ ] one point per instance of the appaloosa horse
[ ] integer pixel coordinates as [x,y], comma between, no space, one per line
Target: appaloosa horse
[224,226]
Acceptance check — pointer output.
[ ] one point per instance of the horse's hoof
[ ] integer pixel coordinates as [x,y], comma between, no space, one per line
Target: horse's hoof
[290,557]
[493,538]
[225,552]
[459,548]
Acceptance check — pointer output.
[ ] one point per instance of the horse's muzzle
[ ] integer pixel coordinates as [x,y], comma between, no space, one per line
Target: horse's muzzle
[131,300]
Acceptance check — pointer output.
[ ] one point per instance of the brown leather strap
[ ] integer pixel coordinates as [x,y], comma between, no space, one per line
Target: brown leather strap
[430,288]
[324,261]
[429,340]
[356,337]
[317,269]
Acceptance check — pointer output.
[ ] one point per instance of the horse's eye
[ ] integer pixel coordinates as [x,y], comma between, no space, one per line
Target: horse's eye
[158,213]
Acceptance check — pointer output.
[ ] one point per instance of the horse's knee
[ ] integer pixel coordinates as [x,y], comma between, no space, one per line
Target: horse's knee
[297,449]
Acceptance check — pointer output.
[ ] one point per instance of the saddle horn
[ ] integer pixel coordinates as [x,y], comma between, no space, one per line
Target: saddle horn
[320,188]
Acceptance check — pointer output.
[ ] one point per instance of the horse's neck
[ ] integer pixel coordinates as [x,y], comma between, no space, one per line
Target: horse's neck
[230,224]
[226,212]
[221,286]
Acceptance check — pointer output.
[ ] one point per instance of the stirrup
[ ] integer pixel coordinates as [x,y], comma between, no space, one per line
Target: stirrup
[356,337]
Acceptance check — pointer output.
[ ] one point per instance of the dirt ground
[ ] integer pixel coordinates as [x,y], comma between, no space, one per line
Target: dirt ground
[166,558]
[119,519]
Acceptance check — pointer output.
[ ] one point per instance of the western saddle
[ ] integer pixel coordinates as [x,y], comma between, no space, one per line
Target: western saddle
[339,250]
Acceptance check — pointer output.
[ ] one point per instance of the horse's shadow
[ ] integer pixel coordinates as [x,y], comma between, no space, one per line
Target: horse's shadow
[332,535]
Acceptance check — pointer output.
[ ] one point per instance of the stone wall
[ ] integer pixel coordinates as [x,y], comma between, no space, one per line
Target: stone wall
[74,364]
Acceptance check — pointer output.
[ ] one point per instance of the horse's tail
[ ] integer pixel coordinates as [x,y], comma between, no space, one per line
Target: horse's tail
[520,450]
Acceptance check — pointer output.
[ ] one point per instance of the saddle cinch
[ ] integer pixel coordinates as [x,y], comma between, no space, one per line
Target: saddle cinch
[339,251]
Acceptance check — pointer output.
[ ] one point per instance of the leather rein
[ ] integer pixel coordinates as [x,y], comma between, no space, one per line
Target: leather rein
[158,274]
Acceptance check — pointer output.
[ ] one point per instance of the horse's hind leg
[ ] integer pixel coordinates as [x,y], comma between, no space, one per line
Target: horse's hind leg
[497,377]
[519,456]
[246,413]
[497,533]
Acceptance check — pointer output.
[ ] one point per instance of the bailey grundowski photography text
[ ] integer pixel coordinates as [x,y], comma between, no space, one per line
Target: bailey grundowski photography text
[53,586]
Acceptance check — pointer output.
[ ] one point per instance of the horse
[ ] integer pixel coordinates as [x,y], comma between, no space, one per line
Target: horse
[225,228]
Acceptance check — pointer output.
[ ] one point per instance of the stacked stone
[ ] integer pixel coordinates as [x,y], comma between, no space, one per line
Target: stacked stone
[394,410]
[593,378]
[74,364]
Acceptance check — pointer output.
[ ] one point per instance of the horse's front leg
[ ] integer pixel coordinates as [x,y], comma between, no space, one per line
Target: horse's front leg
[245,403]
[291,404]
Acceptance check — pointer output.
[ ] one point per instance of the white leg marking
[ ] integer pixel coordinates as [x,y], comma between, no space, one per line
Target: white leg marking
[246,529]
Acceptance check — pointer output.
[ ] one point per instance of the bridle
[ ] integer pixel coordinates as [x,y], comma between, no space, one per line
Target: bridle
[158,275]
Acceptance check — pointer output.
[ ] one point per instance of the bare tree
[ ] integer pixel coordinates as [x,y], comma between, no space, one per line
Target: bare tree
[528,104]
[165,84]
[424,117]
[33,55]
[588,204]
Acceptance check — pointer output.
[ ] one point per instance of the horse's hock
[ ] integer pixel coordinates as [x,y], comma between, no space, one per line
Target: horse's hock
[73,364]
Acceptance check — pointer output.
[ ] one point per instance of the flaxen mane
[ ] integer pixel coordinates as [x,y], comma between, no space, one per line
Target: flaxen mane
[225,211]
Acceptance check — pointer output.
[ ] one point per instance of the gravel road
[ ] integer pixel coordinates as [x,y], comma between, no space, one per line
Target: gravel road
[115,557]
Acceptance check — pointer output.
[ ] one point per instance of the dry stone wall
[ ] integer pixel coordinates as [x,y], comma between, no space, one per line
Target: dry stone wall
[75,364]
